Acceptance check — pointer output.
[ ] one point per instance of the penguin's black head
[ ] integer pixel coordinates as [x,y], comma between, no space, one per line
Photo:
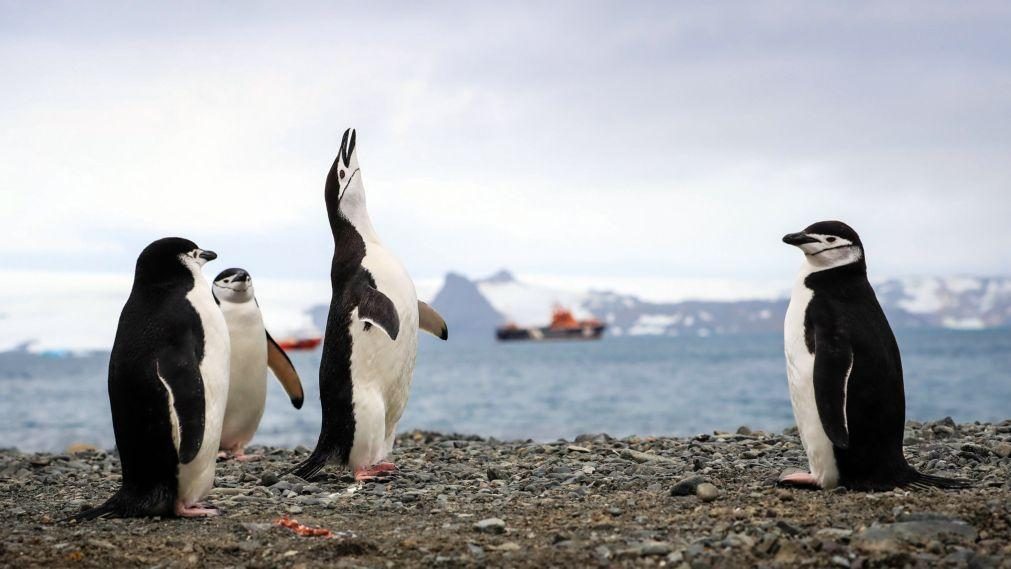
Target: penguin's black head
[171,258]
[233,285]
[828,244]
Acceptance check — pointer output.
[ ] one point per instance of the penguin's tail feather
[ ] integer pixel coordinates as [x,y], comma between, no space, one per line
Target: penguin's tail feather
[310,466]
[157,501]
[109,509]
[919,480]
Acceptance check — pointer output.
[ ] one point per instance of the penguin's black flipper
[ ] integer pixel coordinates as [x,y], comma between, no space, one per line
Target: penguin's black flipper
[179,373]
[376,308]
[285,372]
[432,322]
[833,362]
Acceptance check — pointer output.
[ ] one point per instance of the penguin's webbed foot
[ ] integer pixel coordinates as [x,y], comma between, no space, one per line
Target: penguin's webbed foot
[198,510]
[799,480]
[238,454]
[381,470]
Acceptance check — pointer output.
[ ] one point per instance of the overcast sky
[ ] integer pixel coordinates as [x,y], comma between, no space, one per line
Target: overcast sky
[631,140]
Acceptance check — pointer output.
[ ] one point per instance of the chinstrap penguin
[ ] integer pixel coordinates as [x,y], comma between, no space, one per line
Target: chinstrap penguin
[371,338]
[168,384]
[845,371]
[253,350]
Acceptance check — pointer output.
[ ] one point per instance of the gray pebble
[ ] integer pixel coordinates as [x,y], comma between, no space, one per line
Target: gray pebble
[491,525]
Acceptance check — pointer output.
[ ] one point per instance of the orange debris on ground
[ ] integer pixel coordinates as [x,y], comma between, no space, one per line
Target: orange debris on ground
[302,529]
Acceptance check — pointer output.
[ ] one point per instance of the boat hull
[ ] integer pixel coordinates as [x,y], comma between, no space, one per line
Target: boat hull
[592,332]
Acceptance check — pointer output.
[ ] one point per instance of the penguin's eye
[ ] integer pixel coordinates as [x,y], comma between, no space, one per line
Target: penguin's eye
[830,239]
[342,174]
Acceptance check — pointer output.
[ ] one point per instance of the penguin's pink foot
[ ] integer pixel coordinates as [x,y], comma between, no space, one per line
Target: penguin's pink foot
[243,457]
[385,466]
[801,479]
[381,470]
[222,455]
[198,510]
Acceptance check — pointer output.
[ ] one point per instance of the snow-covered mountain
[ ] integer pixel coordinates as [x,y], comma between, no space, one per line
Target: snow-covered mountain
[915,302]
[79,311]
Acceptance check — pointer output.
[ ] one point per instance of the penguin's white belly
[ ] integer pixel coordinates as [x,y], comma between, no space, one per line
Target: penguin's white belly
[247,386]
[381,368]
[197,476]
[800,371]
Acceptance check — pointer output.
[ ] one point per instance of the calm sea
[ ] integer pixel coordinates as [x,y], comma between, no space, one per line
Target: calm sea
[621,386]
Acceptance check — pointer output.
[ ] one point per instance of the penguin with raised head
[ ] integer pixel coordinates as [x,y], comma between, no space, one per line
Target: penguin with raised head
[168,385]
[253,351]
[845,371]
[371,338]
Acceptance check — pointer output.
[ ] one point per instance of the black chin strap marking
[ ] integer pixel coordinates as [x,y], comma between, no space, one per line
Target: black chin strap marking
[830,249]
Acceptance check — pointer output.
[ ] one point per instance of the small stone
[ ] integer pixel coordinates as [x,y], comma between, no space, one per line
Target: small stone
[788,528]
[743,430]
[840,561]
[491,525]
[686,486]
[650,548]
[834,534]
[475,550]
[1002,450]
[269,479]
[576,448]
[707,492]
[80,447]
[507,546]
[593,438]
[887,537]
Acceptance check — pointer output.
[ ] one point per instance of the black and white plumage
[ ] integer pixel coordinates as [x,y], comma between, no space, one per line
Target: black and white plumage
[845,370]
[252,352]
[371,338]
[168,382]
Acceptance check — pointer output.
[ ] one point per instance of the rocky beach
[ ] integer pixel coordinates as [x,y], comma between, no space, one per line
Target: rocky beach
[703,501]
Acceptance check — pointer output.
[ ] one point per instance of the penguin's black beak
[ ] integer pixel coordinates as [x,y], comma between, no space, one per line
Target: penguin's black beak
[798,239]
[208,255]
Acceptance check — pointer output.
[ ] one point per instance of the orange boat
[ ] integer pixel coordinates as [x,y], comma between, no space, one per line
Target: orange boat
[564,326]
[299,343]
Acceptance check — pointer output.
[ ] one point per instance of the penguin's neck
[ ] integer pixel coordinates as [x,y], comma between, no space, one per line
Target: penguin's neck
[357,215]
[839,277]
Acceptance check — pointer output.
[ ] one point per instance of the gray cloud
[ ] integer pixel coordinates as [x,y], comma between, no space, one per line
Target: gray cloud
[664,139]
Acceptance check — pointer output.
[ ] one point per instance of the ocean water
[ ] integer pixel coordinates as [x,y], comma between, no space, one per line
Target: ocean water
[543,391]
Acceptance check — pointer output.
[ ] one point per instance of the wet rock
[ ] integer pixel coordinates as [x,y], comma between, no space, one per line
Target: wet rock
[687,486]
